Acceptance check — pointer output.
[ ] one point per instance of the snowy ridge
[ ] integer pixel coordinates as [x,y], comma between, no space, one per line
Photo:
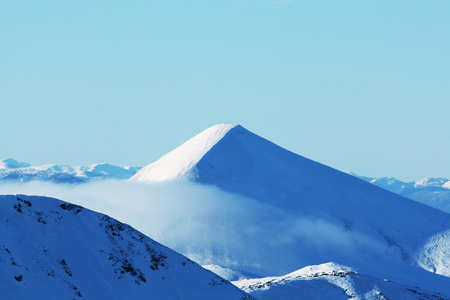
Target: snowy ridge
[181,162]
[330,281]
[327,269]
[55,250]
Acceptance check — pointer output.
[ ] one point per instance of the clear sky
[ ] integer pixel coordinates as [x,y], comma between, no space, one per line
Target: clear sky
[362,86]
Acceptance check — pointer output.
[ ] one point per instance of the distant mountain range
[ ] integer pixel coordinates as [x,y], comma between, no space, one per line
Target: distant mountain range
[12,170]
[434,192]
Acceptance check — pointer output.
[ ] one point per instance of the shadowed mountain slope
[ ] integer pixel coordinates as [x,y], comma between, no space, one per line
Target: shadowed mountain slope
[51,249]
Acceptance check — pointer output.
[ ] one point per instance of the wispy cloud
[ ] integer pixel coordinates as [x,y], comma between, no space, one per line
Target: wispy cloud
[210,225]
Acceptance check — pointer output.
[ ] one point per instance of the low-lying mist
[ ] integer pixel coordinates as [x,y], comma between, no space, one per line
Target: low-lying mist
[212,226]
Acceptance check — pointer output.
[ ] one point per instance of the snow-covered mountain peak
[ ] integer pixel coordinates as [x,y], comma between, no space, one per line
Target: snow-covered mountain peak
[181,162]
[386,180]
[12,164]
[332,210]
[429,182]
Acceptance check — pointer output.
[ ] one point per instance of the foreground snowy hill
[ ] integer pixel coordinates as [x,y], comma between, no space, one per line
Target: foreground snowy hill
[434,192]
[331,281]
[327,215]
[51,249]
[12,170]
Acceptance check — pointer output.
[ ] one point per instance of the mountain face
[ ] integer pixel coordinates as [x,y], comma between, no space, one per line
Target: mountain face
[434,192]
[336,217]
[55,250]
[11,170]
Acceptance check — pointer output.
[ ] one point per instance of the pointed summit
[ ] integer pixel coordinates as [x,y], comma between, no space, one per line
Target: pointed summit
[182,161]
[239,161]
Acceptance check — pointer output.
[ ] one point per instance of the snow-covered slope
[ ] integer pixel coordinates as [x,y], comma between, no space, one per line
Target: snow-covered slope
[334,216]
[434,192]
[11,170]
[51,249]
[331,281]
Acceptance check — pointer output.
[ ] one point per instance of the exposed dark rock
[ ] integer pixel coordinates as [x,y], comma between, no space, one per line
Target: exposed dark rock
[71,207]
[65,267]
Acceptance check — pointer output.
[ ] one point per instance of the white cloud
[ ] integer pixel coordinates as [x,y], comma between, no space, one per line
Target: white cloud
[209,225]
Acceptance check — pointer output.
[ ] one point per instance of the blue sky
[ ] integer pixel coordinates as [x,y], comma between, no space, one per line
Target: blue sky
[361,86]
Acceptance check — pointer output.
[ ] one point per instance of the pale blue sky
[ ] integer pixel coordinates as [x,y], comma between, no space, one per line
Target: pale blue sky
[362,86]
